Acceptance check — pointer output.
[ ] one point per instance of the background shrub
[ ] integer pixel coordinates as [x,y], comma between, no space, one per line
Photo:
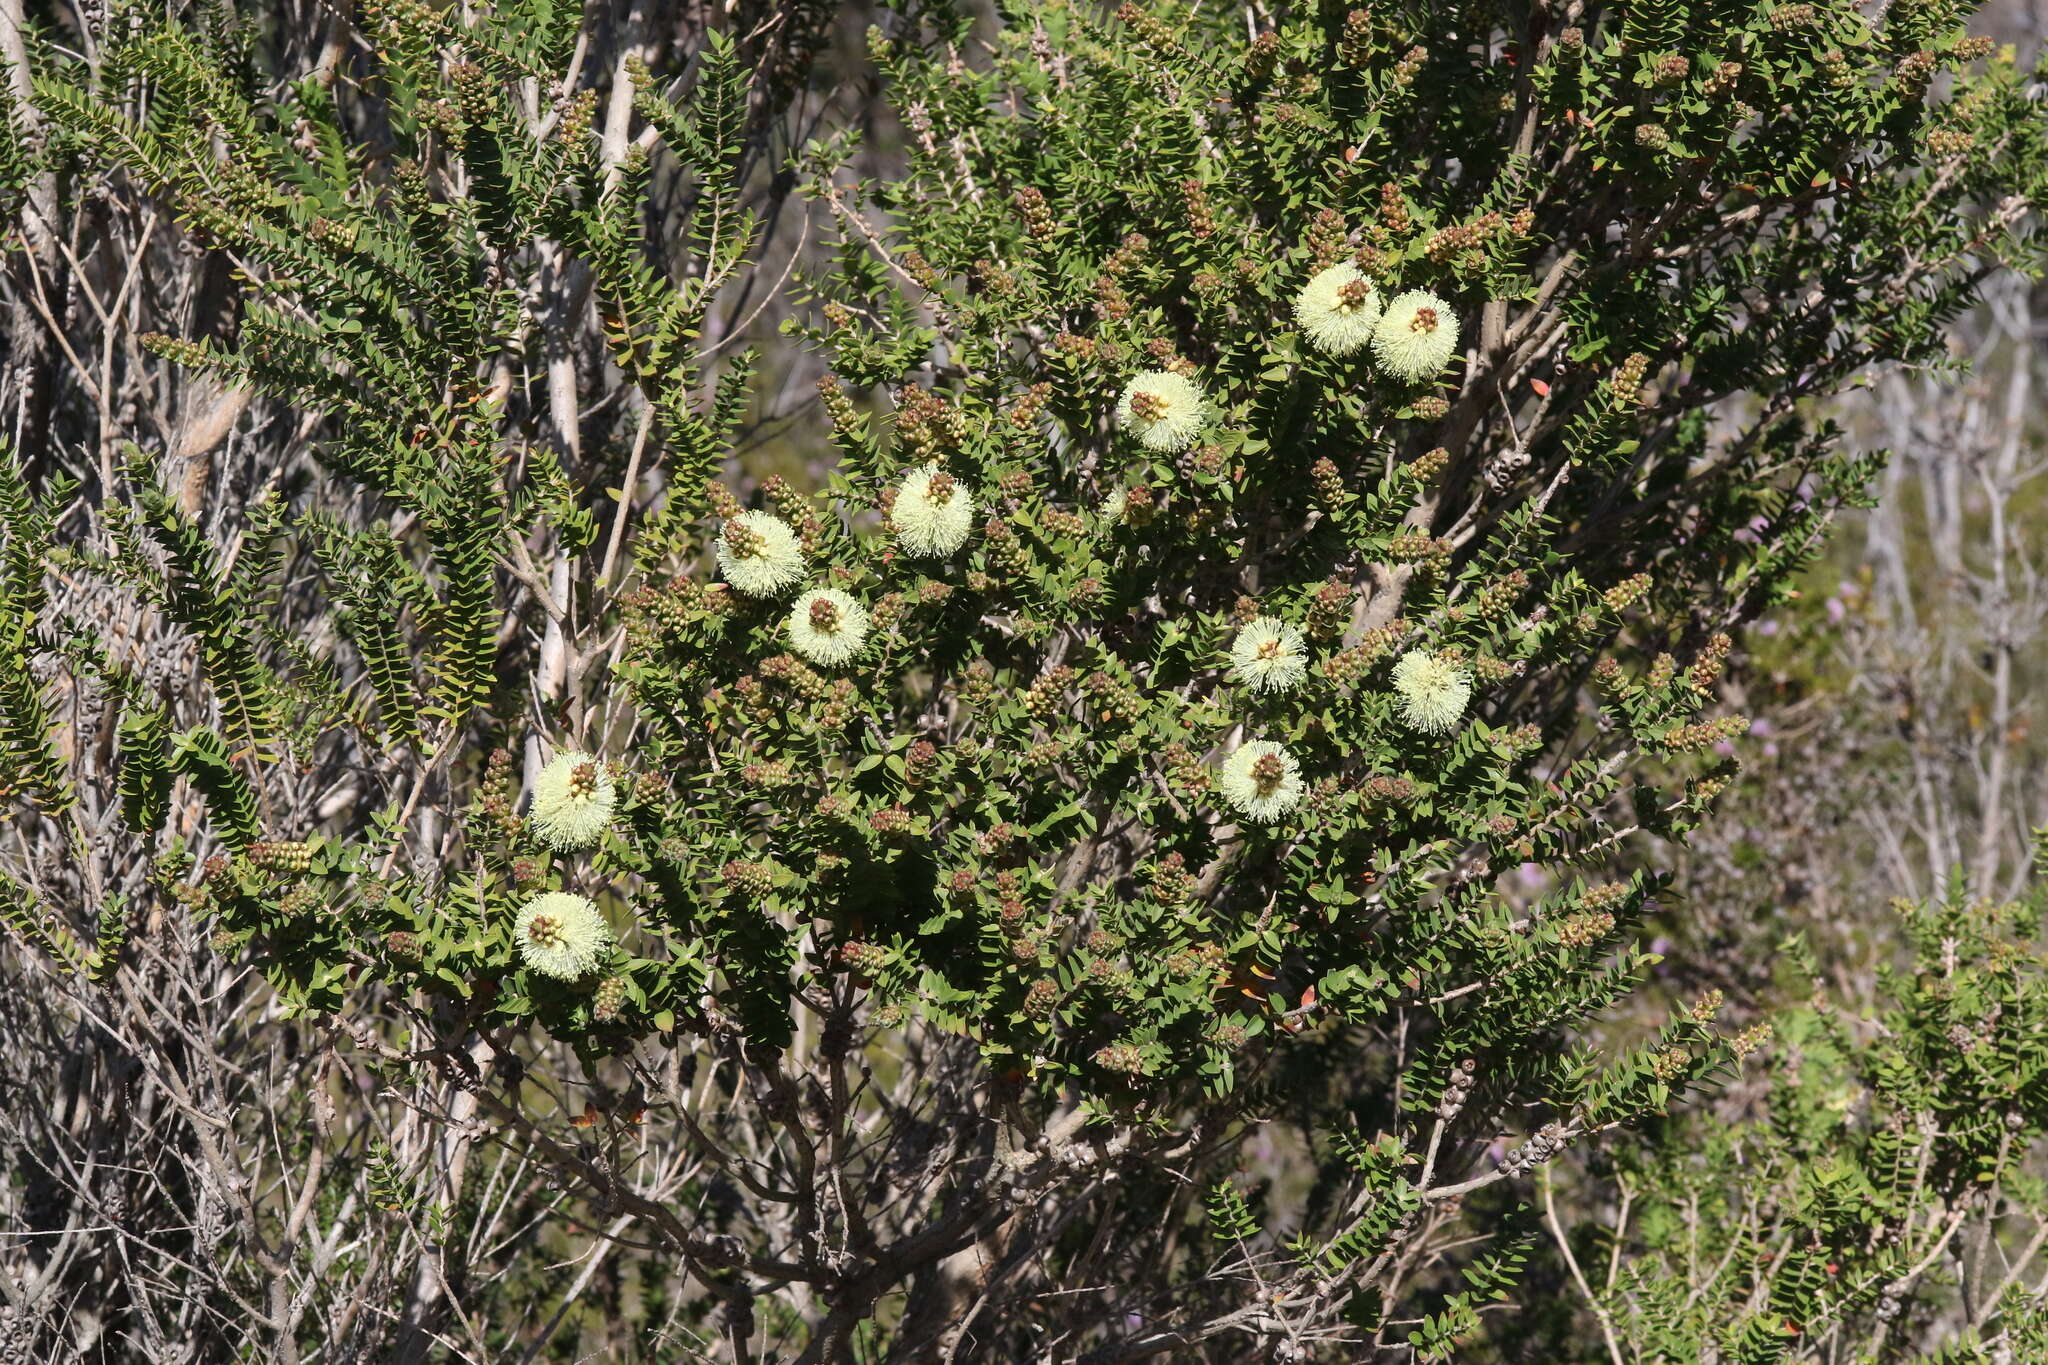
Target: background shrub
[1170,911]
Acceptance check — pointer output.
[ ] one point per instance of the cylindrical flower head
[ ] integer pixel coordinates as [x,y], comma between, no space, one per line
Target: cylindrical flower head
[1162,409]
[560,934]
[1338,309]
[826,626]
[573,800]
[1269,655]
[933,512]
[759,555]
[1433,693]
[1417,334]
[1261,779]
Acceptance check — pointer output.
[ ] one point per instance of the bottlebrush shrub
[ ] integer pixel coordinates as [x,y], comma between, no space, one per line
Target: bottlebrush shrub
[1015,815]
[1881,1187]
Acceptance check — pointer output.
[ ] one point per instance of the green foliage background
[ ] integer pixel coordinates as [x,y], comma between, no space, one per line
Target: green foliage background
[987,862]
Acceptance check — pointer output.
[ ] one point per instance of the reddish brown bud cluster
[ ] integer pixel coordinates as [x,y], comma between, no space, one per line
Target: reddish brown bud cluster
[1603,895]
[1447,244]
[1171,882]
[1040,998]
[1408,547]
[1329,611]
[1126,1058]
[1499,596]
[1198,959]
[863,957]
[1184,770]
[608,1001]
[1428,465]
[1354,40]
[1028,405]
[1037,216]
[748,878]
[1706,669]
[1140,505]
[1005,549]
[1627,593]
[1394,213]
[1201,217]
[997,838]
[724,505]
[1260,56]
[1048,694]
[1326,236]
[1584,929]
[1389,789]
[288,857]
[1112,304]
[1114,703]
[1149,28]
[1329,484]
[1626,384]
[920,762]
[927,424]
[1488,669]
[767,775]
[1373,646]
[1056,522]
[1950,142]
[1208,460]
[1704,734]
[918,268]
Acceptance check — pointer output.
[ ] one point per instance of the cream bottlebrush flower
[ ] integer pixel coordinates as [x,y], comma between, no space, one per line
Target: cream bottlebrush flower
[1162,409]
[759,555]
[827,627]
[933,512]
[1269,655]
[573,800]
[1261,779]
[1433,692]
[1417,334]
[560,934]
[1338,309]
